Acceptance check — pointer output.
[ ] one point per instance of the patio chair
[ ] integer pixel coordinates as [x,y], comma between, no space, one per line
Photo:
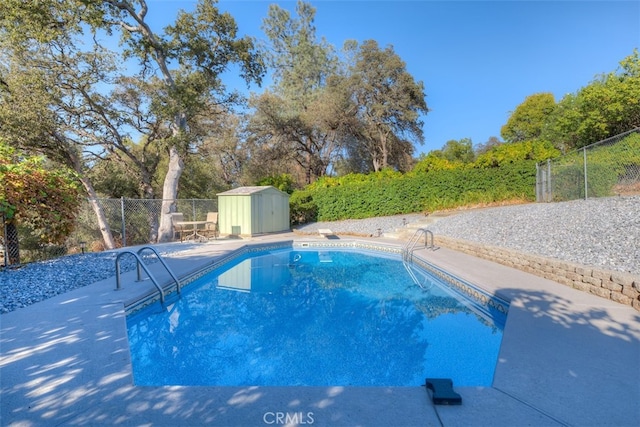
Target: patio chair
[178,230]
[211,227]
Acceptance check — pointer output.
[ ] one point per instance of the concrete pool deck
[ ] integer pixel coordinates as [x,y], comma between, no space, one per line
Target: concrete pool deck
[567,358]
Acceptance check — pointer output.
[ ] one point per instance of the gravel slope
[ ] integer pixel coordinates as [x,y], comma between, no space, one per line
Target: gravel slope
[602,232]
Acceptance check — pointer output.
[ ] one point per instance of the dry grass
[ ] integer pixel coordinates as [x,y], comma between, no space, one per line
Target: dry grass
[632,189]
[476,206]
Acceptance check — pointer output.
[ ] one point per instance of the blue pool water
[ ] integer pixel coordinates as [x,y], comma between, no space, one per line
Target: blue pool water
[300,317]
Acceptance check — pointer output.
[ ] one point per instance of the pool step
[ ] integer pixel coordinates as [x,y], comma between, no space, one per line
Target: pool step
[404,233]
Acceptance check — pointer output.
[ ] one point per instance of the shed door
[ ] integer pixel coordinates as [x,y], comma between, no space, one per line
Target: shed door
[266,214]
[273,210]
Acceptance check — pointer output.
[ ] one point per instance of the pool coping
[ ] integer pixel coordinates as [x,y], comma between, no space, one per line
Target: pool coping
[567,358]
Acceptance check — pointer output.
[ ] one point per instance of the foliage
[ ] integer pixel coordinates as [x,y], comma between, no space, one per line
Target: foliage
[205,180]
[607,167]
[283,182]
[504,172]
[457,151]
[226,153]
[390,193]
[116,176]
[388,101]
[608,106]
[44,199]
[490,144]
[517,152]
[163,84]
[528,120]
[434,161]
[302,208]
[302,121]
[284,138]
[562,123]
[300,62]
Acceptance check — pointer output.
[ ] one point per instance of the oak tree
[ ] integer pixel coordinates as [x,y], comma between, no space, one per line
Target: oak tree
[301,121]
[171,76]
[389,102]
[528,120]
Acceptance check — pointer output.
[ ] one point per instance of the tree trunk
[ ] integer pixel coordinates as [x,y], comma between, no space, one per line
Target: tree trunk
[307,172]
[154,224]
[152,214]
[383,148]
[376,164]
[169,195]
[107,237]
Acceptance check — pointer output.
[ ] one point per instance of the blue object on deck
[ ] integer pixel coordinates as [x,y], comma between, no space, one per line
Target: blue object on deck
[442,391]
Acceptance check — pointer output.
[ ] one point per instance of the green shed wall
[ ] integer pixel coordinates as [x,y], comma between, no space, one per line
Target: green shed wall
[264,211]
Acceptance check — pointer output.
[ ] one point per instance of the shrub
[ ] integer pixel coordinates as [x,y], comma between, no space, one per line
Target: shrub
[385,193]
[517,152]
[302,207]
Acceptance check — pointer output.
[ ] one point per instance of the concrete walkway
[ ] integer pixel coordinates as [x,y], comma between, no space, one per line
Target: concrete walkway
[567,358]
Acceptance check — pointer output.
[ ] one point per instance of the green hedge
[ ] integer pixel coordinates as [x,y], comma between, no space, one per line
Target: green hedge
[390,193]
[505,173]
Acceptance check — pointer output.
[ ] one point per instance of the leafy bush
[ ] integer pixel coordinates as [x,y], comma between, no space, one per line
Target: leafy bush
[390,193]
[36,194]
[517,152]
[433,162]
[283,182]
[302,207]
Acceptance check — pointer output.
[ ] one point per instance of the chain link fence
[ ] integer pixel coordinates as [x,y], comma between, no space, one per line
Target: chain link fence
[19,244]
[7,252]
[131,221]
[607,168]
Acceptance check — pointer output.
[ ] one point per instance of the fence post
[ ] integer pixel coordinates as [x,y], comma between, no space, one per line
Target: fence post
[538,184]
[584,150]
[541,183]
[124,228]
[549,192]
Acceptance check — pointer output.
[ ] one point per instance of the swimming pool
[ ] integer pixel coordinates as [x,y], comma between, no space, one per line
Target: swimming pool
[305,317]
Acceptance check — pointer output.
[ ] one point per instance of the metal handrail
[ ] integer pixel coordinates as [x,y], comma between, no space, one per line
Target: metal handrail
[178,285]
[413,241]
[408,249]
[140,263]
[407,266]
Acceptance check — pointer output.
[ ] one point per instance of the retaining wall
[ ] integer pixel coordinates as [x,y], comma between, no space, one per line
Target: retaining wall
[620,287]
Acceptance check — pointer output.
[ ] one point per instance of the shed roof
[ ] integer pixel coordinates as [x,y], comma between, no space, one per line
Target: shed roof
[249,190]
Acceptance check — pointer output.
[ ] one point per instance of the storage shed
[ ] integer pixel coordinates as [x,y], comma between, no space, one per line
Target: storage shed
[248,211]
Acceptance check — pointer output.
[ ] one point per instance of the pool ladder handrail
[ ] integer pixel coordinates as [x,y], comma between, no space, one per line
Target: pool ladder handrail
[141,265]
[407,251]
[407,267]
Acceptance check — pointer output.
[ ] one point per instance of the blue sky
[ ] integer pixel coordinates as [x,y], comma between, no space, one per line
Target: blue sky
[478,60]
